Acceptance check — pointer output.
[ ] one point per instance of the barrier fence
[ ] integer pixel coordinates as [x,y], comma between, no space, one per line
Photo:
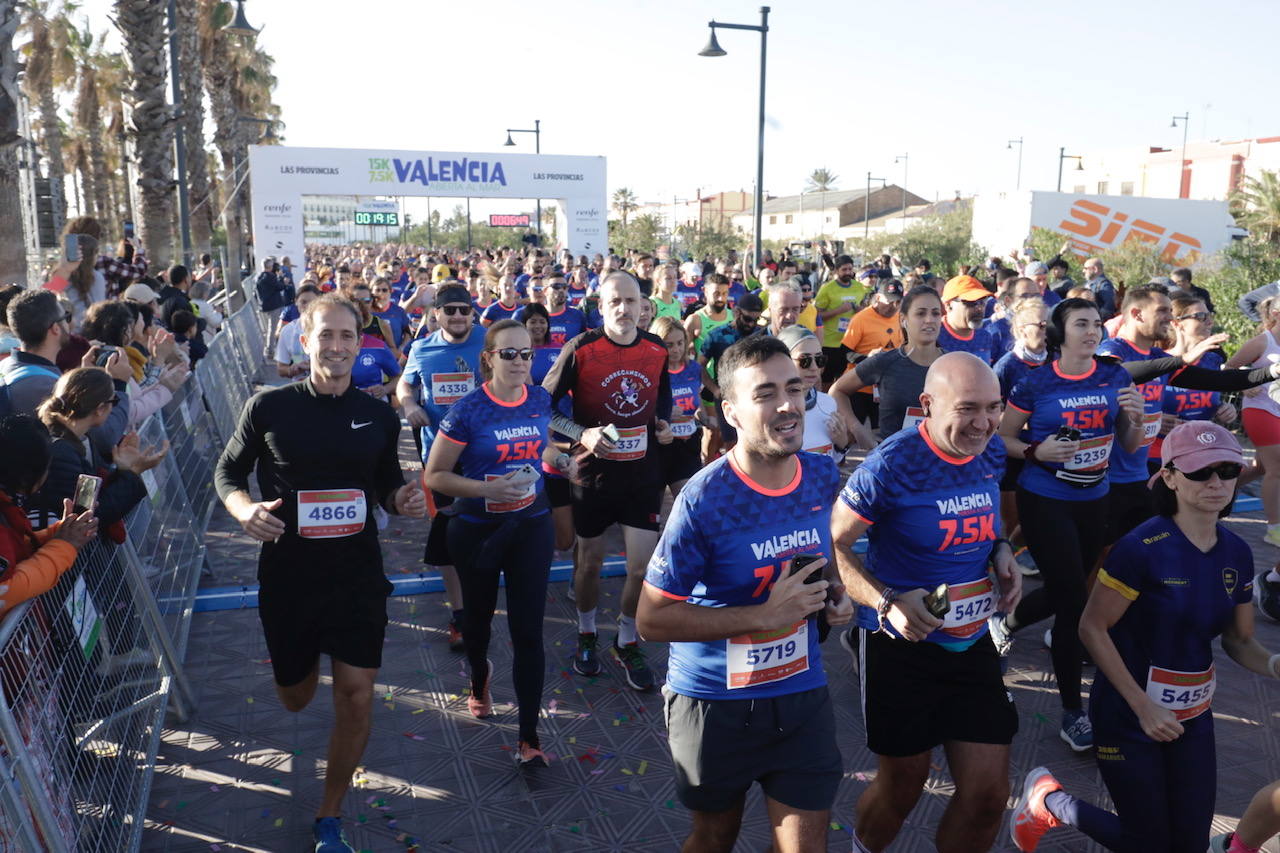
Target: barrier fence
[88,670]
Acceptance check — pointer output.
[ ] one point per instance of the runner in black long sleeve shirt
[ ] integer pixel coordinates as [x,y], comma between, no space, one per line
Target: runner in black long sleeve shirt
[325,453]
[618,378]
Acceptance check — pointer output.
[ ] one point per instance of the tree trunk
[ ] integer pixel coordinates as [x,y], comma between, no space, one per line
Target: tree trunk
[220,83]
[89,117]
[143,24]
[13,245]
[191,71]
[39,83]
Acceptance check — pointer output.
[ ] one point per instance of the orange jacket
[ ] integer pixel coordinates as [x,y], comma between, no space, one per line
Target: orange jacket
[30,562]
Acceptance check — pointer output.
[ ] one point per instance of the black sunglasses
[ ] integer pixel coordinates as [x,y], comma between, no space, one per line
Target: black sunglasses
[451,310]
[805,361]
[1224,470]
[510,353]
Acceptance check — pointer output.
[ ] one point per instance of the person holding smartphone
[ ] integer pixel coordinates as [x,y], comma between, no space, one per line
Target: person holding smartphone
[494,437]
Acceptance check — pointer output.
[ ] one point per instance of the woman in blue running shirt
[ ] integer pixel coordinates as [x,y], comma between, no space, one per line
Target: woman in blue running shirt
[1167,590]
[682,458]
[495,436]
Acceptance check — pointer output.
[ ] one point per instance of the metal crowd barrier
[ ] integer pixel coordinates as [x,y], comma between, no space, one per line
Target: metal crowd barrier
[88,670]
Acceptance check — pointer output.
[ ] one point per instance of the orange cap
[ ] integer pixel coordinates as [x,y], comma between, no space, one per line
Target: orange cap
[964,287]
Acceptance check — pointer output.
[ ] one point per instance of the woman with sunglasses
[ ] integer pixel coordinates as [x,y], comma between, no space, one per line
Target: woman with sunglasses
[824,430]
[898,373]
[1192,324]
[1167,590]
[386,308]
[682,458]
[494,437]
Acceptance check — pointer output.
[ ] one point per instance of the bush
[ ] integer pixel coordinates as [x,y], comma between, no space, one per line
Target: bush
[946,240]
[1243,266]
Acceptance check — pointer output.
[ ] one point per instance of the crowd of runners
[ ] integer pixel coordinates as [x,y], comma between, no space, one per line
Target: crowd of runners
[867,454]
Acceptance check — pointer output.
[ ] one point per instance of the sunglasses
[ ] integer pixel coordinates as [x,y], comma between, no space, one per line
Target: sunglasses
[1199,315]
[510,353]
[807,361]
[1224,470]
[560,286]
[452,310]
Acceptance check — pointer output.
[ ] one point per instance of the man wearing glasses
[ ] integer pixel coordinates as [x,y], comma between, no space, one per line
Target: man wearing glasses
[564,322]
[440,371]
[965,301]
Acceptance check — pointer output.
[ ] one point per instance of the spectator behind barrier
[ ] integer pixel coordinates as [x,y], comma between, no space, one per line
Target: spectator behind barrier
[31,562]
[186,335]
[81,400]
[8,340]
[111,324]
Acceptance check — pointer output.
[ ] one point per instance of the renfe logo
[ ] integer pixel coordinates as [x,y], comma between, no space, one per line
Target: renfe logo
[433,171]
[1098,227]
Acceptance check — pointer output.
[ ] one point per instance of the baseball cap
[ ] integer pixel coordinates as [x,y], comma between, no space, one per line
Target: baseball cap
[440,273]
[891,288]
[792,335]
[751,302]
[866,274]
[964,287]
[1193,445]
[1036,268]
[451,294]
[140,292]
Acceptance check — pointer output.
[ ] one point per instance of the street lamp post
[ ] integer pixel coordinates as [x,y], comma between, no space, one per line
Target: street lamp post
[713,49]
[1017,185]
[537,149]
[1185,118]
[903,158]
[1063,155]
[866,206]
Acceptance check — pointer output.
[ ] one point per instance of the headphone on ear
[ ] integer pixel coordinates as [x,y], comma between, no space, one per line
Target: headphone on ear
[1056,332]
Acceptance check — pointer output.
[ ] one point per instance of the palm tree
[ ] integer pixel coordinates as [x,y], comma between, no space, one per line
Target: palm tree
[191,83]
[13,245]
[1257,205]
[549,219]
[101,79]
[624,201]
[821,181]
[48,67]
[144,26]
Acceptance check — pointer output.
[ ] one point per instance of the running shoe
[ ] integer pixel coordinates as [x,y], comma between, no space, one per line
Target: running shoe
[1000,633]
[530,756]
[456,643]
[586,661]
[634,665]
[849,640]
[1266,594]
[329,837]
[1031,818]
[1026,565]
[483,706]
[1076,730]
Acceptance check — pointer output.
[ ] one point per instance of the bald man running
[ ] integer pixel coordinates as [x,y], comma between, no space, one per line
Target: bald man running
[928,499]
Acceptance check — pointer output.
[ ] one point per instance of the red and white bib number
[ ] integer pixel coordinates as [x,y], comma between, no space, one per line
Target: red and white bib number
[330,514]
[1150,427]
[683,429]
[1092,454]
[632,443]
[913,417]
[511,506]
[449,388]
[971,604]
[1186,694]
[766,656]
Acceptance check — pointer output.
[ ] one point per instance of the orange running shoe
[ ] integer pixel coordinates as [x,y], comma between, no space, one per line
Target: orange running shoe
[1031,818]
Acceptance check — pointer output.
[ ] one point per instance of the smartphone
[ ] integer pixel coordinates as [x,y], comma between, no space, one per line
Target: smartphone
[611,432]
[526,473]
[801,561]
[1066,433]
[87,487]
[128,229]
[104,353]
[71,251]
[938,602]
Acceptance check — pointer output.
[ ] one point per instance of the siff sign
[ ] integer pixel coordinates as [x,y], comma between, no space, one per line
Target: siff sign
[509,220]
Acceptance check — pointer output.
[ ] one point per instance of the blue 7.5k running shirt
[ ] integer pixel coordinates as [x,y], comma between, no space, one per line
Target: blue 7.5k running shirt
[978,342]
[686,390]
[1086,403]
[563,326]
[498,438]
[1182,598]
[443,373]
[933,521]
[727,541]
[1191,405]
[374,365]
[1132,467]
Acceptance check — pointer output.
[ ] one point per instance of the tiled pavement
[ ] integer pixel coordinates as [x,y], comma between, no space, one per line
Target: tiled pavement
[244,774]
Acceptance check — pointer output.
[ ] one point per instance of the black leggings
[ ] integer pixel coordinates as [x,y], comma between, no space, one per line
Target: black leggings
[520,549]
[1065,539]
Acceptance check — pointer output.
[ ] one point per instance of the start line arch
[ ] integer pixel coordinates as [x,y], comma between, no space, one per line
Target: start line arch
[282,175]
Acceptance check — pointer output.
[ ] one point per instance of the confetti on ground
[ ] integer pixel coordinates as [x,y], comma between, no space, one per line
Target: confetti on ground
[214,788]
[1040,718]
[835,825]
[249,699]
[860,776]
[279,821]
[644,765]
[670,804]
[626,771]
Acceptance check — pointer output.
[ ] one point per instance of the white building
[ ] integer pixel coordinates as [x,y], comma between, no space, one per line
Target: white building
[837,215]
[330,220]
[1209,170]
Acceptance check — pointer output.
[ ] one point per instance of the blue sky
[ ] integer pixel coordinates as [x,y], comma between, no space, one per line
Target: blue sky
[849,85]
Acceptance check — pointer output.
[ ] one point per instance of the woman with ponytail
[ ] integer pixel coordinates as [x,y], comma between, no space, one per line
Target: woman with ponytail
[81,400]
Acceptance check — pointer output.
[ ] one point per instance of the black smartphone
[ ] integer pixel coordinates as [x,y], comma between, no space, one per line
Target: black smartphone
[938,602]
[803,560]
[128,229]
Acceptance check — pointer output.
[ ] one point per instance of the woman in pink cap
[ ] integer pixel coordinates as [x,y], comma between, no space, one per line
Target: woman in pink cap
[1167,590]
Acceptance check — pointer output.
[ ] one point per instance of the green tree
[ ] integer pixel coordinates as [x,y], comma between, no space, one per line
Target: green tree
[49,67]
[624,201]
[945,240]
[821,181]
[1256,206]
[1243,266]
[710,239]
